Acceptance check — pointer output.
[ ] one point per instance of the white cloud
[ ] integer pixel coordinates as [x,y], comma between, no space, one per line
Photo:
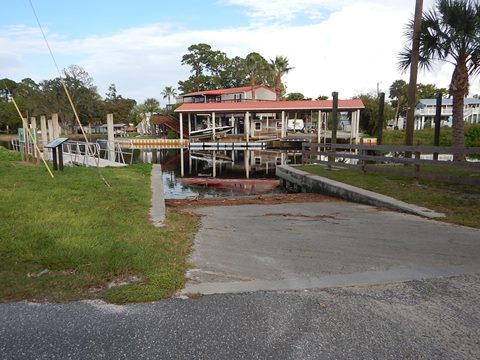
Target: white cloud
[350,52]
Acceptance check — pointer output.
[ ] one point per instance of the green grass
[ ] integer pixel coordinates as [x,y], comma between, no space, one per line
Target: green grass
[460,203]
[86,235]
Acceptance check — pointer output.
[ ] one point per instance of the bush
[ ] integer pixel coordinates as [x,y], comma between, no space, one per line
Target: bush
[472,135]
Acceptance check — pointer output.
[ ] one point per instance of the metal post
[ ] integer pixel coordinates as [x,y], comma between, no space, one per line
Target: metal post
[54,154]
[60,157]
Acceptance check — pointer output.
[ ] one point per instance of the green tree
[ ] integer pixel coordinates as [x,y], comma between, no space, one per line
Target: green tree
[258,70]
[450,32]
[116,104]
[169,92]
[429,91]
[322,97]
[279,68]
[369,116]
[150,106]
[295,96]
[398,92]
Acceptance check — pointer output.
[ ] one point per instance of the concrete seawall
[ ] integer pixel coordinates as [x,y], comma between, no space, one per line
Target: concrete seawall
[303,181]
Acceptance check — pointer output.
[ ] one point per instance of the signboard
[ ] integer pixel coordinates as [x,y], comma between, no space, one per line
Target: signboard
[21,135]
[55,143]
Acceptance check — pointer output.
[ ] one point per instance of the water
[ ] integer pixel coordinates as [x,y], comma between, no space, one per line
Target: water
[218,173]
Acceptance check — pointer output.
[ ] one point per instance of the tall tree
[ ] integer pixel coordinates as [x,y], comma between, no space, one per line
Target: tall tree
[120,107]
[256,67]
[398,93]
[169,92]
[279,68]
[450,32]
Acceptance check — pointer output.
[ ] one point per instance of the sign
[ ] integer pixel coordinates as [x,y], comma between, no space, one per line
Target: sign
[21,135]
[55,143]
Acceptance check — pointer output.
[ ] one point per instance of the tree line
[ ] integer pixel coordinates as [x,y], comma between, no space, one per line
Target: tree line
[48,96]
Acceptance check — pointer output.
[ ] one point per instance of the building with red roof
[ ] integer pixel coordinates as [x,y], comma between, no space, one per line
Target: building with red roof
[239,94]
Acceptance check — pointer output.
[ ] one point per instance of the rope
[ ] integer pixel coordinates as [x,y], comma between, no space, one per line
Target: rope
[25,125]
[97,161]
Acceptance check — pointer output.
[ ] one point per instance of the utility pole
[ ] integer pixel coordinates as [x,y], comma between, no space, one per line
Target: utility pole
[412,85]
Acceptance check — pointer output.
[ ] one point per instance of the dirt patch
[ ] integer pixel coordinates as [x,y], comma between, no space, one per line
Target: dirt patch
[247,200]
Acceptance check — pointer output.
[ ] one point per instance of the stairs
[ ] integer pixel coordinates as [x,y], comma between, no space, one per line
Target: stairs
[170,122]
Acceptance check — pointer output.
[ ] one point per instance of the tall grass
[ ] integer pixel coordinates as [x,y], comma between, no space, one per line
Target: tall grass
[86,235]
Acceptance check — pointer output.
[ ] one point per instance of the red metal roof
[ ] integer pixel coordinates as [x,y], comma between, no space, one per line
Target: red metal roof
[226,91]
[353,104]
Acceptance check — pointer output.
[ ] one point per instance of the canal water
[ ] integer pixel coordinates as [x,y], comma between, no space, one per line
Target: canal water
[217,173]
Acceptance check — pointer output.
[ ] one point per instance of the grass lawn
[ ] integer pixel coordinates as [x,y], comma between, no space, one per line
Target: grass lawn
[460,203]
[86,235]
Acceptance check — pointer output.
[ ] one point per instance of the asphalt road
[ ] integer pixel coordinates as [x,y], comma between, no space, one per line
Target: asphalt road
[402,302]
[323,244]
[431,319]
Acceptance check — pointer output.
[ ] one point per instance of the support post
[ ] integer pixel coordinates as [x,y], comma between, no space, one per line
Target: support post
[56,127]
[381,111]
[213,127]
[334,124]
[181,126]
[247,127]
[189,124]
[284,128]
[438,117]
[43,129]
[111,144]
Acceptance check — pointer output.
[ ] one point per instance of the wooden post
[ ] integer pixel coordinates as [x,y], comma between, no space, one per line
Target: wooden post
[284,128]
[213,127]
[43,129]
[247,126]
[181,126]
[111,138]
[381,111]
[438,117]
[50,130]
[189,124]
[33,129]
[334,125]
[416,174]
[56,127]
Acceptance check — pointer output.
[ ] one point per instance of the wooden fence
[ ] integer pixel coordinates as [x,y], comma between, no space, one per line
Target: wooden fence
[426,162]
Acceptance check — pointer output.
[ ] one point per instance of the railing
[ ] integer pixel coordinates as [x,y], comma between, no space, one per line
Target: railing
[427,162]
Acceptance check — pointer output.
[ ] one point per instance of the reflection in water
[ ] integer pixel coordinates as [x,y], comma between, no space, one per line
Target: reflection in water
[236,172]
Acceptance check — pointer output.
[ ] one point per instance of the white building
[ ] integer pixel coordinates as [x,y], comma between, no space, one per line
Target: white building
[426,108]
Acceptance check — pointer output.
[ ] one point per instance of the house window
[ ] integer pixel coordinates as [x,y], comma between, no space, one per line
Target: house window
[237,97]
[258,126]
[258,161]
[279,125]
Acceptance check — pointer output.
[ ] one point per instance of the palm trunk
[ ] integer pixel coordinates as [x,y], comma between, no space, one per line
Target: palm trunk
[459,88]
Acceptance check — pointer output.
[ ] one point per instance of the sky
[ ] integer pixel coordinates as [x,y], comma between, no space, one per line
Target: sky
[348,46]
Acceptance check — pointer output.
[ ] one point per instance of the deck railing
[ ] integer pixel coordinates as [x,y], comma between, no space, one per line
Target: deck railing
[426,162]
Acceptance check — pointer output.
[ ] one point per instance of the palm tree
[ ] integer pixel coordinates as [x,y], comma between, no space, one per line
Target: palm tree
[255,64]
[279,68]
[169,92]
[450,32]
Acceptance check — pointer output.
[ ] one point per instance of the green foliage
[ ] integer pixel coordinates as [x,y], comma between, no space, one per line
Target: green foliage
[86,235]
[472,135]
[212,69]
[120,107]
[369,116]
[168,93]
[295,96]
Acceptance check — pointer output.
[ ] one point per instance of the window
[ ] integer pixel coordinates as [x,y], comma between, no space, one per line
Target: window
[237,97]
[258,126]
[279,124]
[258,161]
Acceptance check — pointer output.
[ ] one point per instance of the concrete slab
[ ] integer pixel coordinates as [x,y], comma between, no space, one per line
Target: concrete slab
[316,245]
[157,210]
[313,183]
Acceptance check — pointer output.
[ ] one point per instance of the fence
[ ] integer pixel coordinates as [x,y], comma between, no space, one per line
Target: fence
[427,162]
